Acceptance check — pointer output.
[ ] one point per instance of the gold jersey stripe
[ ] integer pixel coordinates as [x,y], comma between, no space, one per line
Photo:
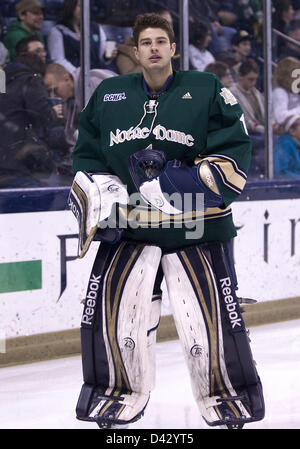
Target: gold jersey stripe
[232,160]
[147,216]
[225,181]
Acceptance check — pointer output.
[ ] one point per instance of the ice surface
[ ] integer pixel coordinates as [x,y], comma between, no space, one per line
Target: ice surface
[43,395]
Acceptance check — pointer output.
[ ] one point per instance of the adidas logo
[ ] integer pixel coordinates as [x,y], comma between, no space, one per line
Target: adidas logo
[187,96]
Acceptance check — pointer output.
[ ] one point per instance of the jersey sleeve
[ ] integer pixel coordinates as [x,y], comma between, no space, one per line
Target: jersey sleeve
[87,152]
[228,147]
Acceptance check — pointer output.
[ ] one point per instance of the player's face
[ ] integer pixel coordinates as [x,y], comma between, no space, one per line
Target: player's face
[154,51]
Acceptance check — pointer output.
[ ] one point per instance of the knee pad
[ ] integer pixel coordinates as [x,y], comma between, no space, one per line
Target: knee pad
[211,328]
[118,334]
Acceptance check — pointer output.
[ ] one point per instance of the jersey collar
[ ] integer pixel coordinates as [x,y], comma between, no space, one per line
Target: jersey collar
[155,95]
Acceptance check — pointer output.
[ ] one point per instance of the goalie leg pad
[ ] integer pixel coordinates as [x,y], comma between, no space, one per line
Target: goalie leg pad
[118,334]
[210,326]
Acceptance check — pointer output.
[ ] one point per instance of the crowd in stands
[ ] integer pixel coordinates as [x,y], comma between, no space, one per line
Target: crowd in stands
[40,55]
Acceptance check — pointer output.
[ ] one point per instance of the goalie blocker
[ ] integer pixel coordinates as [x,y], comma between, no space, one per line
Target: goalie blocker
[160,182]
[118,334]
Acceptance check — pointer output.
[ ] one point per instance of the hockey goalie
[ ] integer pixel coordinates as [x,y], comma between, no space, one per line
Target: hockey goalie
[160,157]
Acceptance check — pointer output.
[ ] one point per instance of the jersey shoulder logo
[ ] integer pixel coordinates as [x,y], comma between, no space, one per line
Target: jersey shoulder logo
[229,98]
[115,97]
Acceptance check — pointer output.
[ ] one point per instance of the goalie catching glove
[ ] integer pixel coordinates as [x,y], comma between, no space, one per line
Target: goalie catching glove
[161,183]
[91,199]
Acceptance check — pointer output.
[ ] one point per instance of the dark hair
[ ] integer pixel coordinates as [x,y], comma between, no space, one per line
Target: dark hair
[198,32]
[22,45]
[219,68]
[281,6]
[248,66]
[32,61]
[66,14]
[151,20]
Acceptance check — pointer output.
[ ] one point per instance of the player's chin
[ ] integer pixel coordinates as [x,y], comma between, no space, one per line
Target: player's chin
[156,64]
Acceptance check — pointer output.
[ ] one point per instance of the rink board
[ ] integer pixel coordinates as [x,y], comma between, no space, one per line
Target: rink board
[47,295]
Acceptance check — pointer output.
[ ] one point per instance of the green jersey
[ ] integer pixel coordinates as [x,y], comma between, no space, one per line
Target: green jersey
[196,118]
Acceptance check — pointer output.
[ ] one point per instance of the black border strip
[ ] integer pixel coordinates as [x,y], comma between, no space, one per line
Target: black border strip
[56,198]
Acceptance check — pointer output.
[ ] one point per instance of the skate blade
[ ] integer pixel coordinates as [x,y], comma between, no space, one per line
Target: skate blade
[230,426]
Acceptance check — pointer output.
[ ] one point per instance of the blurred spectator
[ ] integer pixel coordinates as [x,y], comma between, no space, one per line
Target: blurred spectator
[55,136]
[296,6]
[4,57]
[166,14]
[126,61]
[204,10]
[199,11]
[25,117]
[252,104]
[228,13]
[249,97]
[64,40]
[241,49]
[208,12]
[291,49]
[286,90]
[30,19]
[118,16]
[67,86]
[250,16]
[221,70]
[200,37]
[241,45]
[122,13]
[287,150]
[31,44]
[283,16]
[220,45]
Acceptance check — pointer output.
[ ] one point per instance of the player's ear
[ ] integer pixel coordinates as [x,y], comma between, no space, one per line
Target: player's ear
[136,52]
[173,48]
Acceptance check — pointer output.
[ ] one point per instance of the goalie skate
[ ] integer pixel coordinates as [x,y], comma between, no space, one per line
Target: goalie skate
[110,411]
